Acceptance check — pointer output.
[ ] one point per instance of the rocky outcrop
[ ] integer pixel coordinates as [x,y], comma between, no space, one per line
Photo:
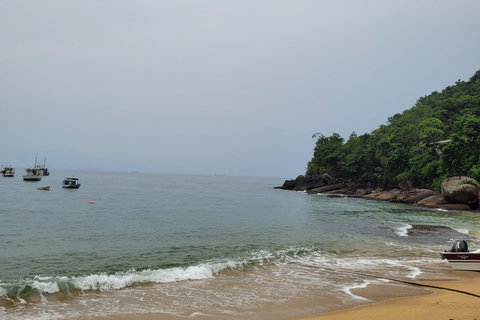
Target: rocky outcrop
[458,193]
[396,195]
[415,195]
[434,234]
[460,190]
[302,183]
[324,189]
[433,201]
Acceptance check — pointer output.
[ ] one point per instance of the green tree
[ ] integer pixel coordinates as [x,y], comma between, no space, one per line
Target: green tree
[407,148]
[431,129]
[326,155]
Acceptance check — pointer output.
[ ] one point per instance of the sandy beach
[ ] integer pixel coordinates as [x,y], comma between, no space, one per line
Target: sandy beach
[441,304]
[462,302]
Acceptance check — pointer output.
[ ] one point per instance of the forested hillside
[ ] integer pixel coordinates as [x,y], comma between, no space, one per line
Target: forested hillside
[435,139]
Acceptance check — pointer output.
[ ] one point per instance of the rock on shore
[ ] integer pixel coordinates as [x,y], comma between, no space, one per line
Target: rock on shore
[458,193]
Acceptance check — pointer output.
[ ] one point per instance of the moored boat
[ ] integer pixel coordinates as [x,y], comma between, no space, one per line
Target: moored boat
[41,168]
[460,258]
[47,188]
[8,172]
[71,183]
[33,174]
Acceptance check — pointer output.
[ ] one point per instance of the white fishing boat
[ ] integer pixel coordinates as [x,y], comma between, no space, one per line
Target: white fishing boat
[34,174]
[71,183]
[43,168]
[460,258]
[8,172]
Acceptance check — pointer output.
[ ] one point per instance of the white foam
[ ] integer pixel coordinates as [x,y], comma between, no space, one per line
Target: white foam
[105,282]
[122,280]
[402,230]
[464,231]
[348,289]
[415,272]
[3,292]
[194,314]
[45,285]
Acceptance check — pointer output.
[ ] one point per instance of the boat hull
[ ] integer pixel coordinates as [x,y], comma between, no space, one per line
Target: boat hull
[71,187]
[70,183]
[463,260]
[32,178]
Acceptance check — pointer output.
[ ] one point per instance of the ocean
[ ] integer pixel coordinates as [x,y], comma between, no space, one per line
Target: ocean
[209,247]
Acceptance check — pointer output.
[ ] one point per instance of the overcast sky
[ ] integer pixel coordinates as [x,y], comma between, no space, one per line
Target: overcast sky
[216,87]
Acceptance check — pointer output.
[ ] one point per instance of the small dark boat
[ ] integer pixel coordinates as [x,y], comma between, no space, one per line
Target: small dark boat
[460,258]
[71,183]
[8,172]
[47,188]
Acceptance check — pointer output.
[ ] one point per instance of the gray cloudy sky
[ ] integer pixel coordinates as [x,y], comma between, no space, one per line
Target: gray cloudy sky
[208,87]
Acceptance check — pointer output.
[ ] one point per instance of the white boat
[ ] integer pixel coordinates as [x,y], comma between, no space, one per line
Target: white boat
[71,183]
[34,174]
[460,258]
[8,172]
[43,169]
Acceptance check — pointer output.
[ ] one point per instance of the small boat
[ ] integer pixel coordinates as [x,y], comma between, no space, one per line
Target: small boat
[8,172]
[460,258]
[47,188]
[32,175]
[71,183]
[41,168]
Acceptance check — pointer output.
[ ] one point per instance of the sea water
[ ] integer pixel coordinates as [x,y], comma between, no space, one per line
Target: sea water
[207,247]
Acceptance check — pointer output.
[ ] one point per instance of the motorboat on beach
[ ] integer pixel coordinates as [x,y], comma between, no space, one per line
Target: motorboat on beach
[460,258]
[8,172]
[71,183]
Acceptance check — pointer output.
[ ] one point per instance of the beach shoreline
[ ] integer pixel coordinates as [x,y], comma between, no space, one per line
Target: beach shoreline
[441,304]
[446,299]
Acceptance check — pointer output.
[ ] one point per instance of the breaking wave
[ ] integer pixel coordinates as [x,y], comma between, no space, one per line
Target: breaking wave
[20,290]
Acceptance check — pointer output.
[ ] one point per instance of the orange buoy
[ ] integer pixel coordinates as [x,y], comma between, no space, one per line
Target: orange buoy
[92,202]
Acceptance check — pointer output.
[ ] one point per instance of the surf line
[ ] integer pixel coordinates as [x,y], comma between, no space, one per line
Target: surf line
[404,281]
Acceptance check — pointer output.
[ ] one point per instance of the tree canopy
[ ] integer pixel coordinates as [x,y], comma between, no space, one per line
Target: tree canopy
[438,137]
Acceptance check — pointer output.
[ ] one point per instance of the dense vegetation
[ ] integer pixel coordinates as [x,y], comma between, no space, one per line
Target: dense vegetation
[437,138]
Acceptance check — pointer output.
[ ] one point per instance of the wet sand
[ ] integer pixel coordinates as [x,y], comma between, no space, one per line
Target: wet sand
[442,304]
[461,304]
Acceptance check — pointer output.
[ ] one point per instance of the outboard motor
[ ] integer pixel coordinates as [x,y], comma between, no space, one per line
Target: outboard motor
[459,246]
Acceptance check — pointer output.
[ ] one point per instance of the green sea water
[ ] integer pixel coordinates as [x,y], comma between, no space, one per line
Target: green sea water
[213,247]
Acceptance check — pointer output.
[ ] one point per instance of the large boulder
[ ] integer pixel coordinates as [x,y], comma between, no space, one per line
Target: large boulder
[460,190]
[432,201]
[302,183]
[362,192]
[414,195]
[385,196]
[287,185]
[324,189]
